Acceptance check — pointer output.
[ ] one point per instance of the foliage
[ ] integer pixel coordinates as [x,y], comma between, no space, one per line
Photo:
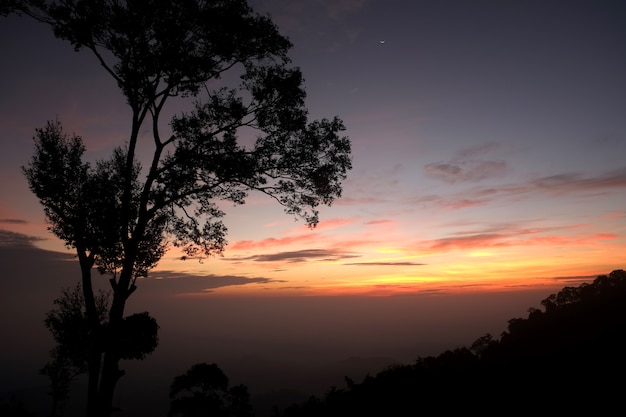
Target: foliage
[565,360]
[69,326]
[121,215]
[73,333]
[139,336]
[203,390]
[81,202]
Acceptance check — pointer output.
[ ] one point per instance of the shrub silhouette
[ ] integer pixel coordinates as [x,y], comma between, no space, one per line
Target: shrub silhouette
[203,391]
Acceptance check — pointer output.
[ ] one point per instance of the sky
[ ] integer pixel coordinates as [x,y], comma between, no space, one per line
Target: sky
[488,143]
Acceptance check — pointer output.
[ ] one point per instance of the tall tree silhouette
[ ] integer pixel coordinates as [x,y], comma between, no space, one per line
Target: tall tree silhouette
[121,215]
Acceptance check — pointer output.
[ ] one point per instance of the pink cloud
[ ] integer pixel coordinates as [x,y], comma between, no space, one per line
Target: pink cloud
[557,185]
[272,242]
[463,203]
[379,222]
[615,215]
[330,224]
[300,235]
[512,234]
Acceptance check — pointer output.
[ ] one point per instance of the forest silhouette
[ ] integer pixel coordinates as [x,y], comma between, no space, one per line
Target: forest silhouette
[567,357]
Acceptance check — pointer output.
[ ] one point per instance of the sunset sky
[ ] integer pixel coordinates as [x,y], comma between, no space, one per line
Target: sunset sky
[488,141]
[489,145]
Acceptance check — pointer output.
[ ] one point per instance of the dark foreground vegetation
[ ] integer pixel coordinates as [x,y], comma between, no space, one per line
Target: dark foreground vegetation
[566,358]
[569,357]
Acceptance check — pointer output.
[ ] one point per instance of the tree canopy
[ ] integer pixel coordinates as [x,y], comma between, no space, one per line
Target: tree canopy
[248,132]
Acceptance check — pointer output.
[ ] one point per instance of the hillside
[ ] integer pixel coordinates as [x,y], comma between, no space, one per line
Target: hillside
[568,357]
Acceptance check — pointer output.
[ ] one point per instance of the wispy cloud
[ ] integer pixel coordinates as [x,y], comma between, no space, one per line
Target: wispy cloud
[14,239]
[512,237]
[273,242]
[465,171]
[576,279]
[170,282]
[299,235]
[379,222]
[573,182]
[359,201]
[401,263]
[554,185]
[299,256]
[467,166]
[479,150]
[13,221]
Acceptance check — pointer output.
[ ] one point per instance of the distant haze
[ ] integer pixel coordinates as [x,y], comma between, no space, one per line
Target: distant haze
[267,343]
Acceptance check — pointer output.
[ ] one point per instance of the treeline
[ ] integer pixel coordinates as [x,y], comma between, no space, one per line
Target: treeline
[567,358]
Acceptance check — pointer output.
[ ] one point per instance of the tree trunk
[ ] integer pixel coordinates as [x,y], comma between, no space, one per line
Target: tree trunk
[94,347]
[111,372]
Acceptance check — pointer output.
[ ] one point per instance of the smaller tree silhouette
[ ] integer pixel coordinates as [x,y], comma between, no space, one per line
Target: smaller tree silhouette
[78,339]
[203,390]
[73,333]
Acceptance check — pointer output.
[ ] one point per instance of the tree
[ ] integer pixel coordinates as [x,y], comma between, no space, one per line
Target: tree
[68,324]
[204,390]
[121,214]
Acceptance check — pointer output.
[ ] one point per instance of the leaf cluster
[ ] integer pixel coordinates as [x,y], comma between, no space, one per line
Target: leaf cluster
[139,336]
[82,203]
[71,329]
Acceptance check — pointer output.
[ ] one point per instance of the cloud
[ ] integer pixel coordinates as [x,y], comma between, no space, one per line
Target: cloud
[513,236]
[14,239]
[569,182]
[555,185]
[299,256]
[478,150]
[385,264]
[576,279]
[272,242]
[378,222]
[465,171]
[463,203]
[615,215]
[469,241]
[13,221]
[297,236]
[359,201]
[467,166]
[170,282]
[329,224]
